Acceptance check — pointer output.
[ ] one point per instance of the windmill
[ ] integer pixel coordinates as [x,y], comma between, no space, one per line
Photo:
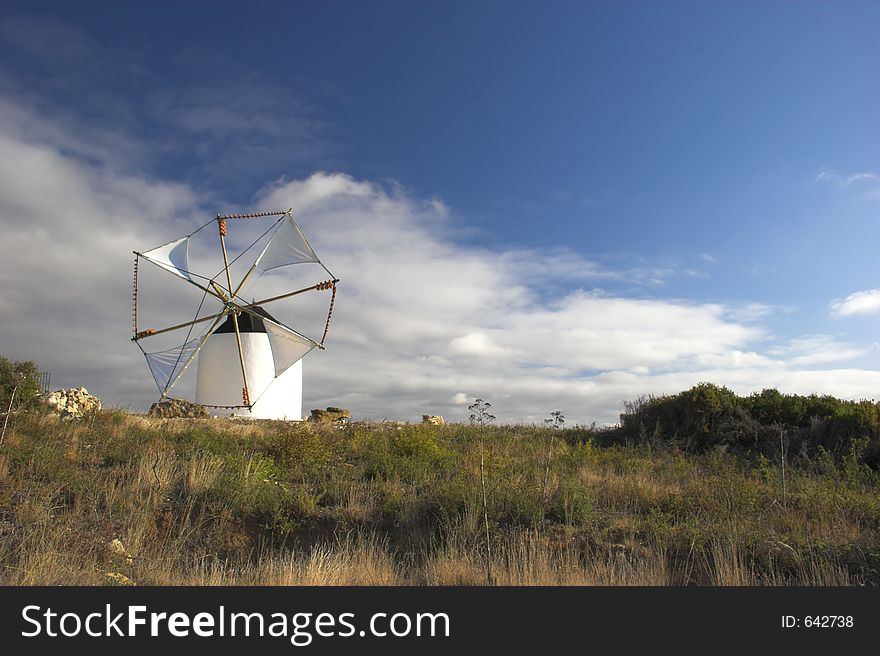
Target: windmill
[249,362]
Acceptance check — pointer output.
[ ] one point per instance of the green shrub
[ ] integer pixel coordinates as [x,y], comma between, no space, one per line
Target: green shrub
[252,484]
[688,413]
[853,468]
[23,377]
[572,504]
[451,497]
[414,454]
[708,416]
[516,505]
[303,450]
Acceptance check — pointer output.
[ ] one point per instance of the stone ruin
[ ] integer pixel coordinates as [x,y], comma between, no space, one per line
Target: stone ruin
[433,420]
[178,409]
[330,416]
[73,403]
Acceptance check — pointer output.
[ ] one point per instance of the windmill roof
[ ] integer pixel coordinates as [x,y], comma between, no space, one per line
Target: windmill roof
[247,323]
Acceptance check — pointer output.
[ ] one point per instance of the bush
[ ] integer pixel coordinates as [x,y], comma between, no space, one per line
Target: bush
[707,416]
[692,412]
[25,376]
[413,453]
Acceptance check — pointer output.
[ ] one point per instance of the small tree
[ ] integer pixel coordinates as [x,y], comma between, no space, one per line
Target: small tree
[19,383]
[480,417]
[555,422]
[24,377]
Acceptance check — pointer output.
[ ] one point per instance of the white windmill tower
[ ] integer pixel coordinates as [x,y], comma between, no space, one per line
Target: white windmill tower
[249,362]
[219,375]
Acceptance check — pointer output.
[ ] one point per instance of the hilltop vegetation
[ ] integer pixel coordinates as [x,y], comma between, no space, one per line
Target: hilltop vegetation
[19,377]
[690,490]
[709,416]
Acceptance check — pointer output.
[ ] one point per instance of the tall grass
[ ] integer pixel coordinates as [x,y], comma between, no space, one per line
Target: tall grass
[224,502]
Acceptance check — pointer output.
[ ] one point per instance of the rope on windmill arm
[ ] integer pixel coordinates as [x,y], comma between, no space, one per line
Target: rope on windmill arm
[134,296]
[222,407]
[253,215]
[329,315]
[206,405]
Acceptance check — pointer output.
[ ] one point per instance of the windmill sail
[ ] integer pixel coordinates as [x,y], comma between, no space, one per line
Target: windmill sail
[288,346]
[287,246]
[173,257]
[166,365]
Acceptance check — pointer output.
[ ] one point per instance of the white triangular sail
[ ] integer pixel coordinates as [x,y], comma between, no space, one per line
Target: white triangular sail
[287,246]
[165,365]
[173,257]
[288,346]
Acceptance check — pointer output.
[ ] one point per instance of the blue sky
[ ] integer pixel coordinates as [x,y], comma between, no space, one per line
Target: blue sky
[688,153]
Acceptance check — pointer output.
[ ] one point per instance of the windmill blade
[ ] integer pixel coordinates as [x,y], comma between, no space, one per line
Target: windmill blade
[180,273]
[321,286]
[168,363]
[151,332]
[194,353]
[287,246]
[173,257]
[288,345]
[164,364]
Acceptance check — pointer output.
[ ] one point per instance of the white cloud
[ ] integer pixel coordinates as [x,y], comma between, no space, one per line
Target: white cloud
[816,349]
[479,345]
[866,183]
[425,321]
[865,302]
[847,180]
[753,311]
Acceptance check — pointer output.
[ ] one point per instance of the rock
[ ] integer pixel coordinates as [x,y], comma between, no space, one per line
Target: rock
[433,420]
[73,403]
[118,549]
[177,408]
[330,416]
[119,578]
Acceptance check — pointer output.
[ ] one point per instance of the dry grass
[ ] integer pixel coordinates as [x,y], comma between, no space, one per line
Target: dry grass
[528,559]
[209,502]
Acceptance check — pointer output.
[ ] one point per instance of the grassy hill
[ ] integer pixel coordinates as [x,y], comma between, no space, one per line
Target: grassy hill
[119,498]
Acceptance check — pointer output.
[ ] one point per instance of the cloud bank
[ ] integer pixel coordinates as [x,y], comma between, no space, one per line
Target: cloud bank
[427,316]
